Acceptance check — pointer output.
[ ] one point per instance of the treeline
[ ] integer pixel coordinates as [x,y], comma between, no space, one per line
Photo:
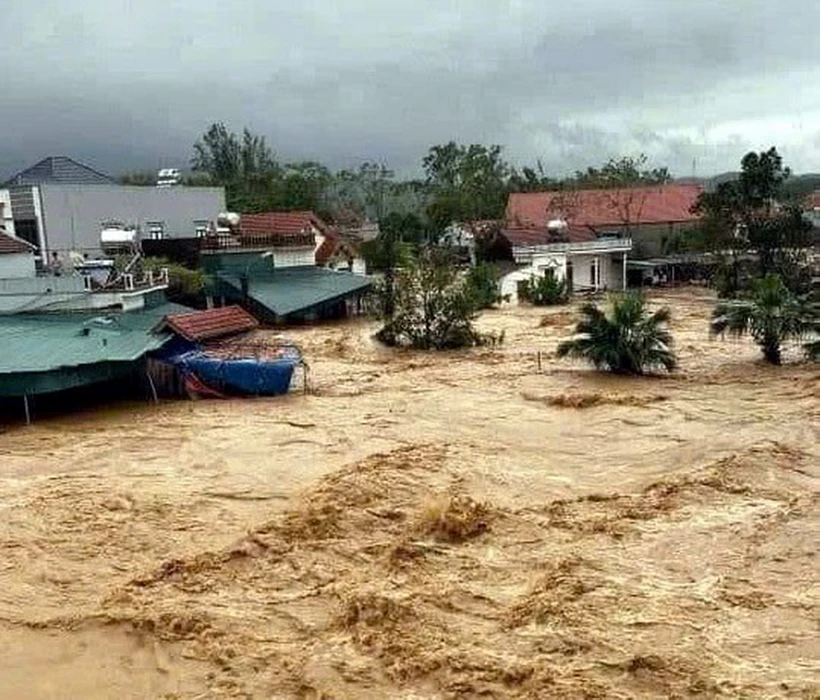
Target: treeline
[460,183]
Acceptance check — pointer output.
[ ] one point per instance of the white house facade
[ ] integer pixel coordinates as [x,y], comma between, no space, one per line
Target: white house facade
[590,265]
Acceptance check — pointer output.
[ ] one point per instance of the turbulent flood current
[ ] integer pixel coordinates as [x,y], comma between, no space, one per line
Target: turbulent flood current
[493,523]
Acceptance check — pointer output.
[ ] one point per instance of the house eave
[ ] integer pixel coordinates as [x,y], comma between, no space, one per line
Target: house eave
[598,247]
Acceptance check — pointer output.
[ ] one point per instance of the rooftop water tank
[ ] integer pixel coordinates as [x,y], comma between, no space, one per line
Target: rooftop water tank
[228,218]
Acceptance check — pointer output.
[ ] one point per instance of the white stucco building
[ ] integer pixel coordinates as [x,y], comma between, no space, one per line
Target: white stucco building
[587,263]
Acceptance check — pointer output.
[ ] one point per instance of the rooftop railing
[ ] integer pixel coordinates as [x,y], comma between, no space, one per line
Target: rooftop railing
[599,245]
[266,241]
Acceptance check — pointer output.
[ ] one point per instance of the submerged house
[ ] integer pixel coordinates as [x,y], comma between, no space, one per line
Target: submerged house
[44,353]
[285,267]
[587,237]
[586,262]
[61,332]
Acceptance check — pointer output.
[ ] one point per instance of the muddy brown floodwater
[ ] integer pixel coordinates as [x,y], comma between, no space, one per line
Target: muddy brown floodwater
[426,526]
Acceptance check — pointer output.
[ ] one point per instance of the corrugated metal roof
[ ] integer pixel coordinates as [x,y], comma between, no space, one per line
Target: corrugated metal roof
[212,323]
[46,342]
[59,169]
[292,290]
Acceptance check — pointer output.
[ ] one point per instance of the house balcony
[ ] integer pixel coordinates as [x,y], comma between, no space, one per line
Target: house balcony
[524,254]
[230,242]
[78,292]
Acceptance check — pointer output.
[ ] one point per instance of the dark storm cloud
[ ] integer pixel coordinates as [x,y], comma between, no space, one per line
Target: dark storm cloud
[128,85]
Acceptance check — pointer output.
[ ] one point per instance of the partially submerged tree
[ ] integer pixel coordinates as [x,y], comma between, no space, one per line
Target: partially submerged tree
[629,340]
[547,290]
[770,314]
[483,286]
[391,251]
[434,309]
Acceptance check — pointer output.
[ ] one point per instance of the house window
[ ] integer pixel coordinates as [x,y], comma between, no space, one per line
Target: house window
[593,273]
[156,230]
[201,228]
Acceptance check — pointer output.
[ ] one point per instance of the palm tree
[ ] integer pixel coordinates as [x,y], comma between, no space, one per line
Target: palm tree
[628,341]
[771,314]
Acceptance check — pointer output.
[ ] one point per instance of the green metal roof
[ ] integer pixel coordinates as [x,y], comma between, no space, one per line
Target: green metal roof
[297,289]
[44,353]
[42,343]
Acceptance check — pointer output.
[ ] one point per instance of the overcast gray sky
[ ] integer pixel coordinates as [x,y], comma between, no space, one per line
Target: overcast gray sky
[131,84]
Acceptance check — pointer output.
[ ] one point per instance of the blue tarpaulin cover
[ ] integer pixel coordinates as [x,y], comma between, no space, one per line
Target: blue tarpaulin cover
[244,376]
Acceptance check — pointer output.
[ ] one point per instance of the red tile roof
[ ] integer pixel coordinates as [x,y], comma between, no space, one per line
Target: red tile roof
[329,246]
[10,245]
[812,201]
[213,323]
[541,235]
[597,208]
[333,244]
[280,223]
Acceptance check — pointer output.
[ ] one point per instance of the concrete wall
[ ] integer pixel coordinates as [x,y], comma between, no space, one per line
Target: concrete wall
[359,266]
[608,277]
[293,257]
[31,294]
[67,293]
[16,265]
[541,264]
[508,284]
[73,214]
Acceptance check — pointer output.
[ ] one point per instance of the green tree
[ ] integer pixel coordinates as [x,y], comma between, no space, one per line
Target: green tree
[770,313]
[482,285]
[184,284]
[467,183]
[392,250]
[301,186]
[626,171]
[245,166]
[434,309]
[744,218]
[547,290]
[629,340]
[530,179]
[367,191]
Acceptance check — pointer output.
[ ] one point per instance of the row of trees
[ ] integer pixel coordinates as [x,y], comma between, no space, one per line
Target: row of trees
[460,182]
